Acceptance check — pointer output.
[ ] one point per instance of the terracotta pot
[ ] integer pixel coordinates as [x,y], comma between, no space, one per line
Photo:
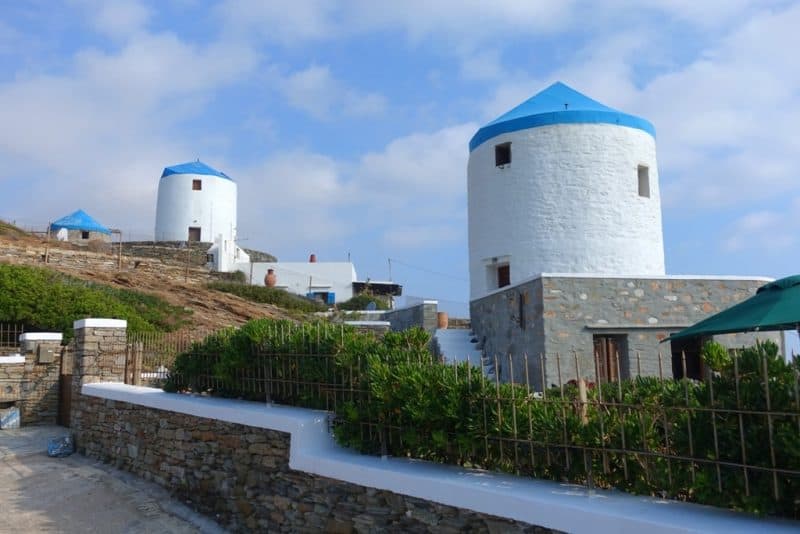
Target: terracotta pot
[271,279]
[312,258]
[441,320]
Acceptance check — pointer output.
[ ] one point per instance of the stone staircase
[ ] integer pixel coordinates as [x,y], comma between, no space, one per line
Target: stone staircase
[455,345]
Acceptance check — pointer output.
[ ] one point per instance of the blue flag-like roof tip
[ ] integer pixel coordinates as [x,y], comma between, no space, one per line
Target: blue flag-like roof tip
[79,220]
[194,167]
[557,104]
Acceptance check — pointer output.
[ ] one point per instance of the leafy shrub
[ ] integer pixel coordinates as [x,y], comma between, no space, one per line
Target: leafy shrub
[715,355]
[360,302]
[50,300]
[269,295]
[679,439]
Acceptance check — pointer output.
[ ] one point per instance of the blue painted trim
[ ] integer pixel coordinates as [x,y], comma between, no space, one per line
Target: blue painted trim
[559,117]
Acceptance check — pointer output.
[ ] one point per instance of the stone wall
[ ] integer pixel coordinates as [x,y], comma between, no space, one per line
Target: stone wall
[422,315]
[70,259]
[99,350]
[557,317]
[33,386]
[240,475]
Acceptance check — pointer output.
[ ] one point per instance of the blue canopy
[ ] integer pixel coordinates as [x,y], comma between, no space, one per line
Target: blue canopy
[79,220]
[557,104]
[194,167]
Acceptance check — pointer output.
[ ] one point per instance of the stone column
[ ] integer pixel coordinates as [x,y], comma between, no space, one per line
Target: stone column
[100,350]
[42,352]
[99,356]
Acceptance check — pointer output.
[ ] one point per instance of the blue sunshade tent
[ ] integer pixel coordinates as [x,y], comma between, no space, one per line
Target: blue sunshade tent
[775,306]
[79,220]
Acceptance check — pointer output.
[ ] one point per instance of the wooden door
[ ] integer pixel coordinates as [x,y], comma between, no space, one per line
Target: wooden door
[606,354]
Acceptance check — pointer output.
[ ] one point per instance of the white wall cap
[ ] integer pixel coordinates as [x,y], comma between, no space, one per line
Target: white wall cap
[13,358]
[41,336]
[566,507]
[705,277]
[100,323]
[368,323]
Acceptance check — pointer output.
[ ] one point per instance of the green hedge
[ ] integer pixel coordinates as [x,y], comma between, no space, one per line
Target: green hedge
[404,403]
[47,299]
[269,295]
[360,302]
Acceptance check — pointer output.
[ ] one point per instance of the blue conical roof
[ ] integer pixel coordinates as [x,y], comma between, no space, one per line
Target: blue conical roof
[194,167]
[557,104]
[79,220]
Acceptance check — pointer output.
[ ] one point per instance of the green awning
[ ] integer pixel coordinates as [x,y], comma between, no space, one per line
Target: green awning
[775,306]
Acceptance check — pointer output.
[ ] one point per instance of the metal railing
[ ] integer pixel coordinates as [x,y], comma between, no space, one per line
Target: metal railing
[9,337]
[730,433]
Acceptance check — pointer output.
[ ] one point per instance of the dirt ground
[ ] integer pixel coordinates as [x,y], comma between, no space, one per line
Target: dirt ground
[78,495]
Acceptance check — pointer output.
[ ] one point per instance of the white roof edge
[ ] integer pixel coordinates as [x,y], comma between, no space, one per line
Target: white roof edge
[100,323]
[722,277]
[41,336]
[368,323]
[565,507]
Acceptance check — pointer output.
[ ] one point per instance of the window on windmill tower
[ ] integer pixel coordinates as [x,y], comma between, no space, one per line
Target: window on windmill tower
[644,181]
[503,275]
[502,154]
[84,235]
[197,185]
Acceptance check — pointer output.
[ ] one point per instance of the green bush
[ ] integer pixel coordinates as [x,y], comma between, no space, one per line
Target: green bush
[269,295]
[50,300]
[670,438]
[360,302]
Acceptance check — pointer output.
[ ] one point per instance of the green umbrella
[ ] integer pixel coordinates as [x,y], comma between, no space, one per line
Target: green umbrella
[775,306]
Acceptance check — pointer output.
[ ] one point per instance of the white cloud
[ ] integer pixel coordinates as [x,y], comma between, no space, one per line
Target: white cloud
[99,132]
[317,92]
[118,18]
[765,231]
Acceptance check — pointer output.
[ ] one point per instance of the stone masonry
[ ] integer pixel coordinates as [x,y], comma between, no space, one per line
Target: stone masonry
[554,319]
[99,356]
[33,386]
[240,475]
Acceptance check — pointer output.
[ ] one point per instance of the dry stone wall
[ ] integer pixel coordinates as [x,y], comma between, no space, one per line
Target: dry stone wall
[240,475]
[33,386]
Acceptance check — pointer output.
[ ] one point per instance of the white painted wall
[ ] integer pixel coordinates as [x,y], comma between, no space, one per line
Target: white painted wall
[295,276]
[213,209]
[568,202]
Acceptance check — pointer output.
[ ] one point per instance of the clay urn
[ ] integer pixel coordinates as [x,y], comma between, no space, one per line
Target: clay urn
[442,320]
[312,258]
[271,279]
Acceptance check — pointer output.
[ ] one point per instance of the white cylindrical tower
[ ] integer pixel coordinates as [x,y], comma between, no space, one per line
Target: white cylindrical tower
[195,203]
[562,184]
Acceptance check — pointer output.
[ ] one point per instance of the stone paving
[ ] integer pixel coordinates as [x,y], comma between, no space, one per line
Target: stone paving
[79,495]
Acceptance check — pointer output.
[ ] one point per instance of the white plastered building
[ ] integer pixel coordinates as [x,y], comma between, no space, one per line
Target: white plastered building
[198,203]
[332,282]
[562,184]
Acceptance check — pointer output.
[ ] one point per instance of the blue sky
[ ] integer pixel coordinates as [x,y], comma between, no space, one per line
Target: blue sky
[346,124]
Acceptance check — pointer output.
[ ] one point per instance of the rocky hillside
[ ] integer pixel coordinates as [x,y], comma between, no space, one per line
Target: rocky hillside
[164,277]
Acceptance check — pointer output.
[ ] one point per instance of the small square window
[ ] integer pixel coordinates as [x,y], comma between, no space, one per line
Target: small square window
[197,185]
[84,235]
[644,181]
[502,154]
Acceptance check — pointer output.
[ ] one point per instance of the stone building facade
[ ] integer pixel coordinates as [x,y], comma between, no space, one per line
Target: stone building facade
[602,327]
